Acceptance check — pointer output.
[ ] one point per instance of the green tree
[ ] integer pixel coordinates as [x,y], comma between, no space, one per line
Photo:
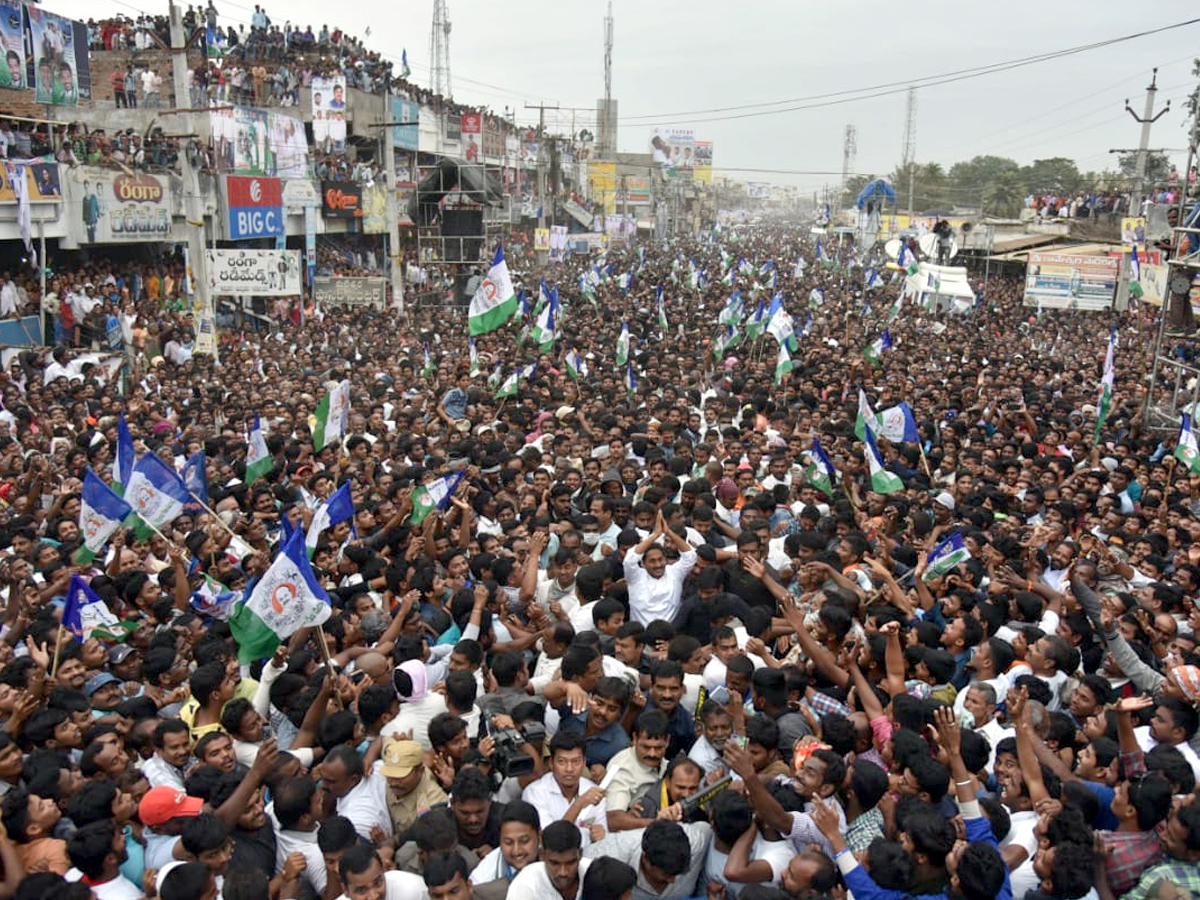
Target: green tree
[993,180]
[854,186]
[1057,174]
[1004,194]
[1157,166]
[931,188]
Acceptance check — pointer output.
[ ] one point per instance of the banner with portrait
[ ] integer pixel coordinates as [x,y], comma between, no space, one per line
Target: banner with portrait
[12,43]
[113,207]
[329,113]
[53,41]
[250,141]
[42,183]
[472,137]
[374,208]
[257,273]
[702,174]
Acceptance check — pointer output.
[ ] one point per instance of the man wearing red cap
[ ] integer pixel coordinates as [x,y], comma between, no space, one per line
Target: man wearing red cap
[163,811]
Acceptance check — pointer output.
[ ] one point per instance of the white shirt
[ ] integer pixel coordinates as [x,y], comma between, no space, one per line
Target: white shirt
[1148,743]
[402,886]
[120,888]
[656,598]
[547,798]
[705,755]
[159,772]
[1021,832]
[532,883]
[305,843]
[416,716]
[366,806]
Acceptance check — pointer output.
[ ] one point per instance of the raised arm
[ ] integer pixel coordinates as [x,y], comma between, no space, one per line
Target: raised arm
[821,656]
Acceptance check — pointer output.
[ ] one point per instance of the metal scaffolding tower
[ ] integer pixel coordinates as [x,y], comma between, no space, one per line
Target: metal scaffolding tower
[439,50]
[849,152]
[607,113]
[908,152]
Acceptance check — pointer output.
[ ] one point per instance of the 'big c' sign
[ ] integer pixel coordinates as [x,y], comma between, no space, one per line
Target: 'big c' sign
[255,205]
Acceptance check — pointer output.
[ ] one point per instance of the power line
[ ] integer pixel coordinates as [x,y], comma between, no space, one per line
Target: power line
[837,98]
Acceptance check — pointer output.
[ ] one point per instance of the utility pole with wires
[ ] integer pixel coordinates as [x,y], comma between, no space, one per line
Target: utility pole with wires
[193,204]
[541,158]
[1146,119]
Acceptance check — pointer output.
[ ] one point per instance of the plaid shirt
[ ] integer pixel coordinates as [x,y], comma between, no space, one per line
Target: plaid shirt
[864,830]
[1182,875]
[824,705]
[1127,854]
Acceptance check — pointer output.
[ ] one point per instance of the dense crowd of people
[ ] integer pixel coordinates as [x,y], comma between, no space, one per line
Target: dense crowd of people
[647,646]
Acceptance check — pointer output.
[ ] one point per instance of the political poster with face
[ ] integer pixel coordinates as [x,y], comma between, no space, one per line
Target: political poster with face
[251,141]
[53,39]
[12,45]
[329,113]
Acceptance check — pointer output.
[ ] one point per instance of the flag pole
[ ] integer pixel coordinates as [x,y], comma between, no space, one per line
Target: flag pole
[155,529]
[924,461]
[337,697]
[212,513]
[57,651]
[1171,461]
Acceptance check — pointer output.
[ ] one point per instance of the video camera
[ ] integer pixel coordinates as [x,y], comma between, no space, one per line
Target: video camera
[508,759]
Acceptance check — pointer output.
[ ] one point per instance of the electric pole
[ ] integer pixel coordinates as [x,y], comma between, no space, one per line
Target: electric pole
[541,160]
[1147,118]
[193,206]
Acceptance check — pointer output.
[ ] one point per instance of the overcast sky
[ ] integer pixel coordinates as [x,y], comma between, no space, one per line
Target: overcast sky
[672,60]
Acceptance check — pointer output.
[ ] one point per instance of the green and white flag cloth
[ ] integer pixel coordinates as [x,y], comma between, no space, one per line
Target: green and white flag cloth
[820,472]
[156,493]
[474,354]
[731,314]
[495,301]
[545,329]
[783,365]
[780,325]
[427,366]
[338,508]
[124,456]
[434,495]
[494,379]
[333,413]
[286,599]
[1186,450]
[882,344]
[1106,386]
[258,459]
[865,415]
[577,366]
[1135,274]
[101,512]
[727,339]
[905,259]
[757,321]
[882,481]
[512,384]
[946,557]
[662,310]
[623,345]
